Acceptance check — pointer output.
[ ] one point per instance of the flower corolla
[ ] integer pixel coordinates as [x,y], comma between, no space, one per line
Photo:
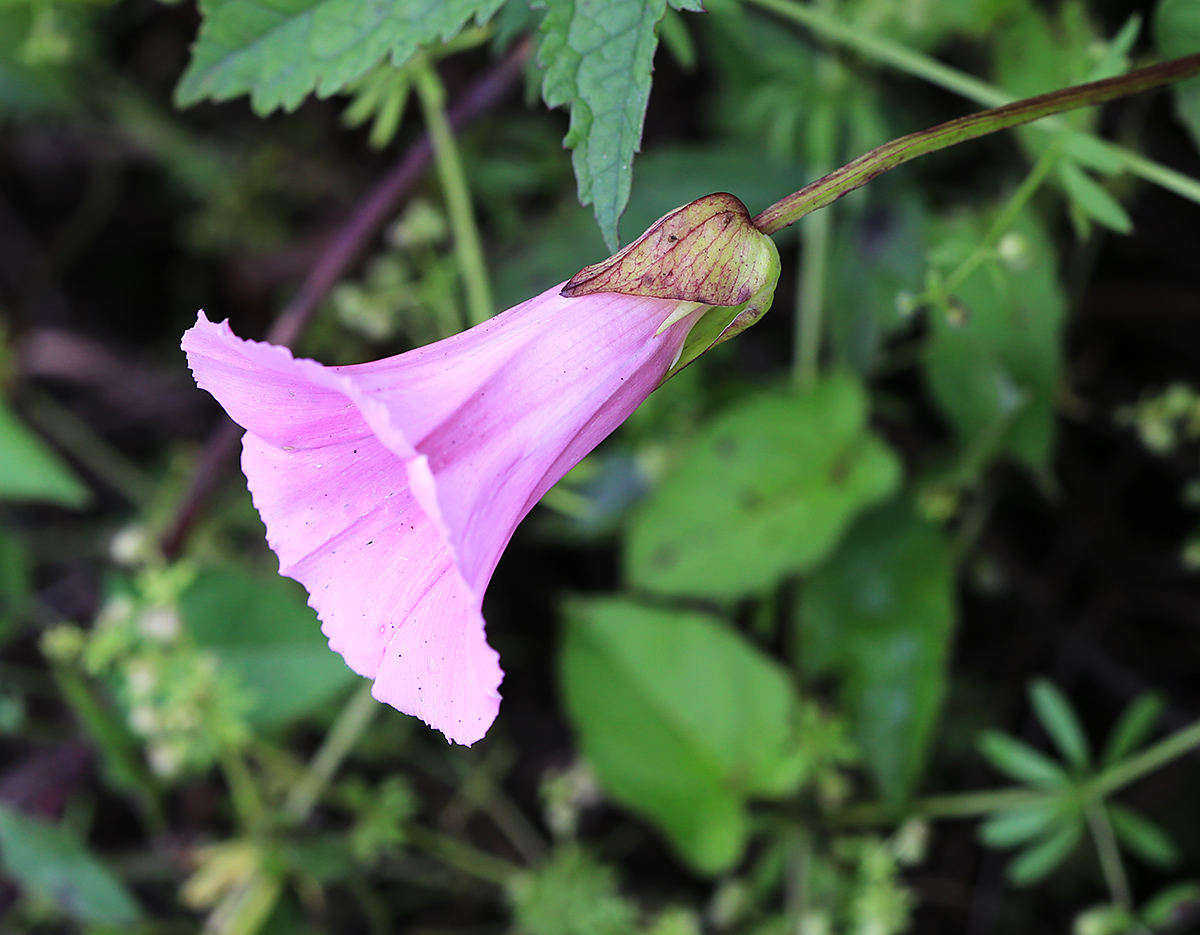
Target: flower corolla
[389,489]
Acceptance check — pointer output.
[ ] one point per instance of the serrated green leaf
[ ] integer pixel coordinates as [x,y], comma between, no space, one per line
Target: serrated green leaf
[1022,762]
[29,470]
[262,631]
[1177,33]
[1093,199]
[279,52]
[1018,825]
[878,614]
[1058,718]
[1133,728]
[682,719]
[1142,837]
[996,361]
[1040,860]
[51,862]
[598,59]
[764,490]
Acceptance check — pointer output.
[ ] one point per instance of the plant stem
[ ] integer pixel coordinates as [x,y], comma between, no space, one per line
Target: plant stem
[855,174]
[1150,759]
[338,743]
[461,856]
[467,247]
[963,805]
[922,66]
[1004,220]
[1109,854]
[815,231]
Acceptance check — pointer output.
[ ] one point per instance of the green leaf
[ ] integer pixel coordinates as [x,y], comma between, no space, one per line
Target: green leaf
[1093,199]
[1058,718]
[1040,860]
[1142,837]
[1135,726]
[682,720]
[279,52]
[53,864]
[879,614]
[571,894]
[598,58]
[1177,32]
[263,632]
[31,471]
[764,490]
[997,360]
[1169,908]
[1017,759]
[1018,825]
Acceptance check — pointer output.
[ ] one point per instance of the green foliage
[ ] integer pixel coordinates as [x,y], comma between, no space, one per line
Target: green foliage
[280,53]
[52,863]
[994,357]
[31,471]
[268,639]
[683,721]
[1068,799]
[1177,33]
[879,615]
[598,59]
[780,476]
[571,894]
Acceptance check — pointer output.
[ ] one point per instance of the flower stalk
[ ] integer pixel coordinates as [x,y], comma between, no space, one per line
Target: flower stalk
[857,173]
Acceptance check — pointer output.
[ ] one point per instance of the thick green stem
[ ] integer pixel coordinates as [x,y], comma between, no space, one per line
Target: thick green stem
[467,246]
[865,168]
[340,740]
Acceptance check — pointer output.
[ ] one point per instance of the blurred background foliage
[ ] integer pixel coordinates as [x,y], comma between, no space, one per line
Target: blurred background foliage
[882,618]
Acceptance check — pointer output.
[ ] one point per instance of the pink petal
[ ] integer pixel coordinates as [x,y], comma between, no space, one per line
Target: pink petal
[389,489]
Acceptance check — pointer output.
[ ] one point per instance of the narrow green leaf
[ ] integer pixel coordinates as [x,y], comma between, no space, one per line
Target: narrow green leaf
[1093,199]
[1019,825]
[29,470]
[1169,908]
[1177,33]
[279,52]
[878,614]
[1134,728]
[262,631]
[51,862]
[1058,718]
[1043,858]
[766,489]
[1142,837]
[598,59]
[682,719]
[1017,759]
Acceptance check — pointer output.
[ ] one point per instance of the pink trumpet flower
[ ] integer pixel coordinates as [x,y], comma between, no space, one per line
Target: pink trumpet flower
[389,489]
